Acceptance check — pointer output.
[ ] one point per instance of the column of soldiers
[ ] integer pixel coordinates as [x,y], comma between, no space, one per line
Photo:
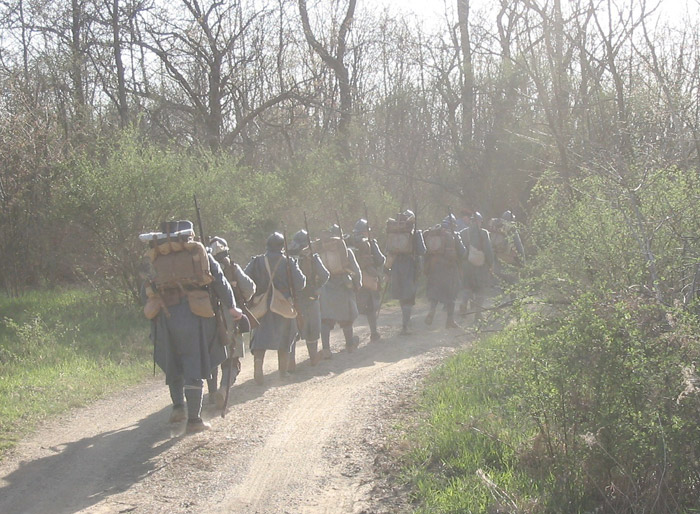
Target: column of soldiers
[303,289]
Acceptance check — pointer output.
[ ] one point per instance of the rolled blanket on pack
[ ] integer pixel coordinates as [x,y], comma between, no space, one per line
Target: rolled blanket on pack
[161,236]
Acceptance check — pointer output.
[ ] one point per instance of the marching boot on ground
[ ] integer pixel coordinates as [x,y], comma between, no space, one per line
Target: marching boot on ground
[338,302]
[405,250]
[243,289]
[277,331]
[282,362]
[371,261]
[478,264]
[444,251]
[258,359]
[183,323]
[309,304]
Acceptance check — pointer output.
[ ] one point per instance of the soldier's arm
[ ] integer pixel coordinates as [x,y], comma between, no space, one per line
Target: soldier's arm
[459,245]
[297,276]
[419,243]
[377,255]
[356,273]
[246,285]
[322,274]
[222,288]
[488,248]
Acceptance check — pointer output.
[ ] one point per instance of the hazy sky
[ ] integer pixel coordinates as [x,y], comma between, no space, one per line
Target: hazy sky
[434,9]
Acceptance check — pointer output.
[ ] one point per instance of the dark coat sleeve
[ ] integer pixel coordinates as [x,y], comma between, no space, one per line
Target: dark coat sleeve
[378,257]
[321,273]
[221,286]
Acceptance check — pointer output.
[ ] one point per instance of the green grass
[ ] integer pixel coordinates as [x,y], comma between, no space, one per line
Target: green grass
[464,453]
[60,349]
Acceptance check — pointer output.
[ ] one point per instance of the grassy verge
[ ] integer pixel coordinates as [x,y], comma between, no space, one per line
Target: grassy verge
[60,349]
[464,455]
[595,410]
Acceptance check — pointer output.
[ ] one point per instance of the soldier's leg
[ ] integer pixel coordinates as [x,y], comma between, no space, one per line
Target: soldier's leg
[230,367]
[406,309]
[351,340]
[464,304]
[372,322]
[258,358]
[450,323]
[177,395]
[431,312]
[193,395]
[478,303]
[314,356]
[326,327]
[282,360]
[292,359]
[211,383]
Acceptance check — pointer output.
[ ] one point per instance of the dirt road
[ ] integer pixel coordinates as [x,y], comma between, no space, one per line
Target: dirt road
[303,445]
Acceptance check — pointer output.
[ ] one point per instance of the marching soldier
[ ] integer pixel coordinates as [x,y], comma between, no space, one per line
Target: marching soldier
[183,323]
[445,251]
[371,261]
[478,265]
[406,249]
[338,302]
[309,305]
[278,327]
[243,290]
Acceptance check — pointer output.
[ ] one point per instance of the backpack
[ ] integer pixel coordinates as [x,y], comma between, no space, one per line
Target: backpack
[476,256]
[398,236]
[181,264]
[370,274]
[180,268]
[334,254]
[434,241]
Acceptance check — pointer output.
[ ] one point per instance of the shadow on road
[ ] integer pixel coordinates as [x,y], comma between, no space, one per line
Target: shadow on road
[84,472]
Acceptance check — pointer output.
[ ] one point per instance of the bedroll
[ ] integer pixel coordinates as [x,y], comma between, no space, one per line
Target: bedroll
[398,236]
[180,264]
[334,254]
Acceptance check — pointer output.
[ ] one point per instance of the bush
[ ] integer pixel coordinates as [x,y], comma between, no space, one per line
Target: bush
[587,401]
[594,412]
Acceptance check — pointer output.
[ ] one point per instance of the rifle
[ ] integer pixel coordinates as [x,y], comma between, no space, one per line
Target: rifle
[460,268]
[311,253]
[221,328]
[340,228]
[369,229]
[300,317]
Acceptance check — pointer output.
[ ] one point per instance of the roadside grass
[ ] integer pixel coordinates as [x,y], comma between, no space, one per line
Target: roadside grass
[60,349]
[464,454]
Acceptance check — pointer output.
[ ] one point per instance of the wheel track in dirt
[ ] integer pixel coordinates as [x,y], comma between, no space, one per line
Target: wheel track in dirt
[300,446]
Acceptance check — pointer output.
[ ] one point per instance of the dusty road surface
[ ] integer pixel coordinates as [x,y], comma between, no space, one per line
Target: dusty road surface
[306,444]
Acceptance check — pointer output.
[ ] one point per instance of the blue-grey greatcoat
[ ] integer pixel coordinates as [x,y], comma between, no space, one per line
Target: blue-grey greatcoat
[243,289]
[186,344]
[476,278]
[371,261]
[443,272]
[338,300]
[309,302]
[405,269]
[275,332]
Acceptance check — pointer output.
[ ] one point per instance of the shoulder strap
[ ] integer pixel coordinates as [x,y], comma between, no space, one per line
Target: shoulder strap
[272,273]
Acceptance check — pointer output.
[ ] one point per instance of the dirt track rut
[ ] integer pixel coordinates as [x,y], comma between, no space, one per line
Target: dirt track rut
[303,445]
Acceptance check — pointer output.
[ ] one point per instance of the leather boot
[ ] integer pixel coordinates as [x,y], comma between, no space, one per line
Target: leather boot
[450,323]
[314,356]
[282,360]
[291,362]
[463,309]
[258,358]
